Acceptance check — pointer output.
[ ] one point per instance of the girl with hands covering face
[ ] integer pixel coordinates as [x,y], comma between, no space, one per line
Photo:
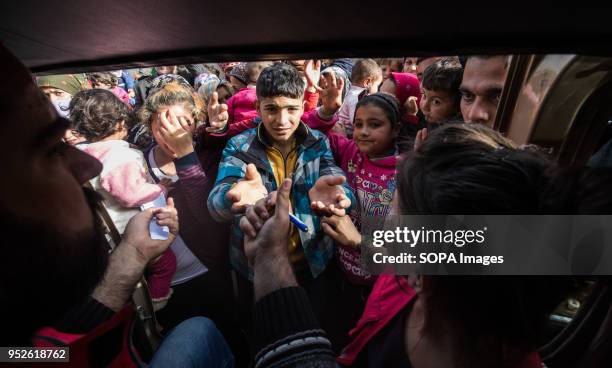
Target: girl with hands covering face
[181,161]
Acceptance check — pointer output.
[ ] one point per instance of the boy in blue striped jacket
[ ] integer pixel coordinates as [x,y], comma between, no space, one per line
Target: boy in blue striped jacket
[255,163]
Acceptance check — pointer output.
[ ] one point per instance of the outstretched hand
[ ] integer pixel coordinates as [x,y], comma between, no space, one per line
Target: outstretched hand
[327,196]
[331,93]
[247,191]
[312,71]
[217,114]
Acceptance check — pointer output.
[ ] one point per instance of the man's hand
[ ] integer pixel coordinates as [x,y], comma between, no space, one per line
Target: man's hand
[137,235]
[421,136]
[327,196]
[176,133]
[331,93]
[266,247]
[342,230]
[266,224]
[127,262]
[247,191]
[217,114]
[312,71]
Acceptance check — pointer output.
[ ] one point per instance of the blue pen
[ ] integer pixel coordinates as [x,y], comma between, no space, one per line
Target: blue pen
[296,221]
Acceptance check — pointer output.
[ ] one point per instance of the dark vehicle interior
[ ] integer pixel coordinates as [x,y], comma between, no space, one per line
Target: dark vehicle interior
[557,93]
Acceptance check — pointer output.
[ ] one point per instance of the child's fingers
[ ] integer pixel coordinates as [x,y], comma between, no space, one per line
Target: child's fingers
[323,81]
[186,123]
[170,202]
[214,99]
[238,208]
[173,119]
[233,195]
[165,215]
[343,201]
[333,81]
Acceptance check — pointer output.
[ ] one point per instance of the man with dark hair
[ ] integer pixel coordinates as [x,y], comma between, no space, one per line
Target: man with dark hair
[59,272]
[484,77]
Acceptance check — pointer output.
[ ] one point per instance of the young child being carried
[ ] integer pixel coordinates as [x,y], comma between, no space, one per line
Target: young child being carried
[365,78]
[124,182]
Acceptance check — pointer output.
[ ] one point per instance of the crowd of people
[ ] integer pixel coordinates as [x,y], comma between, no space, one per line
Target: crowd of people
[233,149]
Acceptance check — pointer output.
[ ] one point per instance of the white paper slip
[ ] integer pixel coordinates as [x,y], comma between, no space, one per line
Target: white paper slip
[157,232]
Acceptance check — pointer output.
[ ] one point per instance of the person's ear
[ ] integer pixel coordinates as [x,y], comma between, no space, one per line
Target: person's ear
[257,107]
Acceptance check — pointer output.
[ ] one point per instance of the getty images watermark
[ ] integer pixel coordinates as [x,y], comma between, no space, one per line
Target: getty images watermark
[488,245]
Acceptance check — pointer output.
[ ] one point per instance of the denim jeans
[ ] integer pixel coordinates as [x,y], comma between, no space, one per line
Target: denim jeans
[195,342]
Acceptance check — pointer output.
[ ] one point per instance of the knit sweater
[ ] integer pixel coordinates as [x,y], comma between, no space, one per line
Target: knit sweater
[287,333]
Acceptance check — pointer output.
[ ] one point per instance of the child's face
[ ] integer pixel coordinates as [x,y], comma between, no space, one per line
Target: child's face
[72,137]
[280,116]
[224,94]
[386,71]
[236,83]
[374,134]
[410,65]
[374,84]
[181,112]
[438,106]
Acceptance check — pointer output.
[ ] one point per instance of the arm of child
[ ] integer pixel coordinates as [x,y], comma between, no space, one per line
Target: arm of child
[230,110]
[315,121]
[194,183]
[239,127]
[340,146]
[237,185]
[128,184]
[311,99]
[160,273]
[327,166]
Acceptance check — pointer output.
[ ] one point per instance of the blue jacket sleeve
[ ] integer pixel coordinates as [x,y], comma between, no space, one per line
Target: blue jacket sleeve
[231,169]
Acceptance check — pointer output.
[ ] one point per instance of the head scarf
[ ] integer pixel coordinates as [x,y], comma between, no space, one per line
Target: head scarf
[240,72]
[406,85]
[206,84]
[160,81]
[69,83]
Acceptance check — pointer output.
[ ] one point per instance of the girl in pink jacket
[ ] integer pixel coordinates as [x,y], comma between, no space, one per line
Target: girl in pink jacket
[369,161]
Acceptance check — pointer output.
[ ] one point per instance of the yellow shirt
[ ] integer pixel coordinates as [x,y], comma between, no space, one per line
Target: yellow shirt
[283,168]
